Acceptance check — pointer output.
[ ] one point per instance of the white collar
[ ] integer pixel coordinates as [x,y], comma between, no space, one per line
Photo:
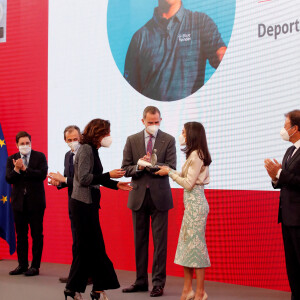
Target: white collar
[297,144]
[147,134]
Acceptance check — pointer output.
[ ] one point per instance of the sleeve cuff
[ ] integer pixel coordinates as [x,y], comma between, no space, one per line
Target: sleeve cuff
[278,173]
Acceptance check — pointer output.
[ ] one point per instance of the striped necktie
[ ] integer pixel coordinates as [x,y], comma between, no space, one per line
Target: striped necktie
[149,145]
[25,160]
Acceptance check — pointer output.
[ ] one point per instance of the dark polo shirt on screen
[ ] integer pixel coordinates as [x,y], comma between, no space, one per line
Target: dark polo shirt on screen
[166,59]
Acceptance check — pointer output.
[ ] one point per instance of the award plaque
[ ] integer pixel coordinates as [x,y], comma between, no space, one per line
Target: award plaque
[151,166]
[154,167]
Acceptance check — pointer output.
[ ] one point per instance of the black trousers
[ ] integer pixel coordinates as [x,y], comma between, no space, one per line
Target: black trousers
[141,226]
[291,241]
[34,219]
[74,237]
[91,259]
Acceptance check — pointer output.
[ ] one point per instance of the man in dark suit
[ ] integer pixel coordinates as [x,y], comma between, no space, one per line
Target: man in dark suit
[71,137]
[26,170]
[151,197]
[287,178]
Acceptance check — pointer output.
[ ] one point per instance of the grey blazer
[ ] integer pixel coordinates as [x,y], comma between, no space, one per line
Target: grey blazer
[159,186]
[83,169]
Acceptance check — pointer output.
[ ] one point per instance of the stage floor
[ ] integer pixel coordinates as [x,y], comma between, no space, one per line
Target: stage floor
[47,287]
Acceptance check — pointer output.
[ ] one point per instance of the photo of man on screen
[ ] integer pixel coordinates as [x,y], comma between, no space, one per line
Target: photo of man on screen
[166,58]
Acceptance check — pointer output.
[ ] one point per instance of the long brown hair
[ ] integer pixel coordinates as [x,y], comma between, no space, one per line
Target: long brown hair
[196,140]
[94,130]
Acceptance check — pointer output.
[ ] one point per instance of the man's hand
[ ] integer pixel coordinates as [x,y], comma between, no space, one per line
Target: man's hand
[117,173]
[18,164]
[57,177]
[272,168]
[146,158]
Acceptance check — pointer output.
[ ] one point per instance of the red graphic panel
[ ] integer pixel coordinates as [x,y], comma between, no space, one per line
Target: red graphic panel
[243,237]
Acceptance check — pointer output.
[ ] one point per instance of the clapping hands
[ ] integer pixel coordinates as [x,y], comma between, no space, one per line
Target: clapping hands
[19,165]
[56,178]
[272,167]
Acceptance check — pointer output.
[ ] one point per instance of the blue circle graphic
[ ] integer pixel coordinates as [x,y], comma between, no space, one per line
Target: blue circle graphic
[126,17]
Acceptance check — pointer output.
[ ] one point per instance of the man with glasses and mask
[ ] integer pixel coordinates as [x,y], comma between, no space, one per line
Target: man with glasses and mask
[151,198]
[286,177]
[26,170]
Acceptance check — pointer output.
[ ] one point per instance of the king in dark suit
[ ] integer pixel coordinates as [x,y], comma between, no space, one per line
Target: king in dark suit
[151,197]
[26,171]
[286,177]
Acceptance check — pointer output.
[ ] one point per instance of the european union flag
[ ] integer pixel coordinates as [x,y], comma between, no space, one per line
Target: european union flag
[7,228]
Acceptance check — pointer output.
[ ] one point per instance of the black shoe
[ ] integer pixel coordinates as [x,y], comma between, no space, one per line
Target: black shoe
[63,279]
[157,291]
[69,293]
[136,288]
[32,272]
[18,270]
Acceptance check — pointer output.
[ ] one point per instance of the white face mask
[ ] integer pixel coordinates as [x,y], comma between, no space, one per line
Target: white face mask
[182,140]
[284,134]
[152,129]
[74,146]
[24,149]
[106,141]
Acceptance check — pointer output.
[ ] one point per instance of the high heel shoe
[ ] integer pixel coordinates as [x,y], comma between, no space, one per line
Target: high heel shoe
[190,295]
[100,295]
[69,293]
[72,294]
[205,296]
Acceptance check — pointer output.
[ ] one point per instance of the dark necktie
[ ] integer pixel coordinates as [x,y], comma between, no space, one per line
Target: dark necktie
[290,155]
[71,165]
[149,145]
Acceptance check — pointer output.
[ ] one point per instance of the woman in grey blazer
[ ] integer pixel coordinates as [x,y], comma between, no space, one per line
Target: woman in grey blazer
[91,259]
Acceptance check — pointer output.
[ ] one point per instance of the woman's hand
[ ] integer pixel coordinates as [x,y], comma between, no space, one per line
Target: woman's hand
[117,173]
[57,176]
[124,186]
[164,170]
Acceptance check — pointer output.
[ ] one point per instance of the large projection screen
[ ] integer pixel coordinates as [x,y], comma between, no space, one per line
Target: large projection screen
[241,104]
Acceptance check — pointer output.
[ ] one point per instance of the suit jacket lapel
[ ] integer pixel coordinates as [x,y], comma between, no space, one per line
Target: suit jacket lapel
[293,158]
[31,158]
[159,142]
[140,144]
[286,155]
[67,164]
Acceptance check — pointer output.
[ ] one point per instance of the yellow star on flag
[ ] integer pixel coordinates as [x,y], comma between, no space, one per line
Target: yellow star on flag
[4,199]
[2,143]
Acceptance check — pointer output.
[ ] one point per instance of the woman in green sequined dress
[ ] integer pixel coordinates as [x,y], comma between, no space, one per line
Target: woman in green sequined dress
[191,251]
